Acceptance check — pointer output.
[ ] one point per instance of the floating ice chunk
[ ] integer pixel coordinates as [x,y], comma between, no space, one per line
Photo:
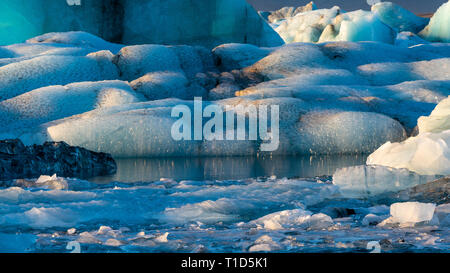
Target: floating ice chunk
[367,181]
[238,56]
[438,121]
[432,146]
[48,217]
[113,242]
[373,220]
[71,231]
[264,243]
[280,220]
[52,182]
[297,218]
[438,30]
[411,153]
[426,154]
[88,238]
[410,213]
[162,238]
[399,18]
[21,77]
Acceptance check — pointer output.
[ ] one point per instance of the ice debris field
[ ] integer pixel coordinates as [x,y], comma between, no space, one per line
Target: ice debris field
[363,82]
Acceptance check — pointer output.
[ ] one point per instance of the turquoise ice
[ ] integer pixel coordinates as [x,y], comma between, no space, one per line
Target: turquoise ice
[200,22]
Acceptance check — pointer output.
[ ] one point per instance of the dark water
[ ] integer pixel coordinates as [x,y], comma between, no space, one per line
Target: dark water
[227,168]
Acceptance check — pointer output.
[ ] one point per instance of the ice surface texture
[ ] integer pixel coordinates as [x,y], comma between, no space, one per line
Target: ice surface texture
[78,88]
[200,22]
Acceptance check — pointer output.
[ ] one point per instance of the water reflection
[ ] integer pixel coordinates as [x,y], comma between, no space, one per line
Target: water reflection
[226,168]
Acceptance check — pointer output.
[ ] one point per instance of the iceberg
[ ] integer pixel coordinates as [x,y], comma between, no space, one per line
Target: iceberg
[432,143]
[438,121]
[293,219]
[308,26]
[438,30]
[369,181]
[399,18]
[139,22]
[358,26]
[410,213]
[325,25]
[286,12]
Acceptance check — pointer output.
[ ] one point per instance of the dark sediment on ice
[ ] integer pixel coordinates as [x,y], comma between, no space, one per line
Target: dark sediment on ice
[436,191]
[20,161]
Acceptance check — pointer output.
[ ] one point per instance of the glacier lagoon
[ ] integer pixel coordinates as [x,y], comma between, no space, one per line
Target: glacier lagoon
[363,150]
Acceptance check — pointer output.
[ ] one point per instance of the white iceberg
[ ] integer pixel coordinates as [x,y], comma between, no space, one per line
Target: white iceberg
[307,26]
[427,153]
[438,30]
[410,214]
[293,219]
[438,121]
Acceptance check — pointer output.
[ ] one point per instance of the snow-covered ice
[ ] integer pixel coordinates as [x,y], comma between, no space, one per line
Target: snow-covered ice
[24,76]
